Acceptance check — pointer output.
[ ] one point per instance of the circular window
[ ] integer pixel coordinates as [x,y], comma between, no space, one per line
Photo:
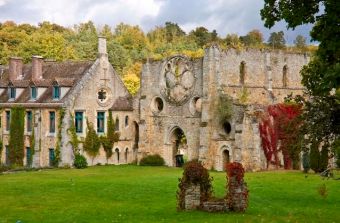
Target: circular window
[157,105]
[226,127]
[103,96]
[195,105]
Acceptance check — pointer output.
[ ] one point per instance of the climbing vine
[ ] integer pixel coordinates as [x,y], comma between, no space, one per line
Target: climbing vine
[1,148]
[61,113]
[74,142]
[224,107]
[32,139]
[110,138]
[91,143]
[16,136]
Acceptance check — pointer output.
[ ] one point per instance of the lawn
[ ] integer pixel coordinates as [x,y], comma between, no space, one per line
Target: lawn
[148,194]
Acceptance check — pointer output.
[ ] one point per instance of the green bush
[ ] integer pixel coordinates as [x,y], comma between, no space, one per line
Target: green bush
[305,162]
[80,162]
[152,160]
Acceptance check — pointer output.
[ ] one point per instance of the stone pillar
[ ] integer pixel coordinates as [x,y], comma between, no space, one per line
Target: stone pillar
[238,194]
[192,199]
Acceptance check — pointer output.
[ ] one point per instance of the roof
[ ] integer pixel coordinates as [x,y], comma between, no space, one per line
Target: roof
[64,74]
[122,104]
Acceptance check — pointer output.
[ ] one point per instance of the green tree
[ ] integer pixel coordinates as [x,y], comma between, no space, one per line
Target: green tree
[91,143]
[233,41]
[173,31]
[277,40]
[253,38]
[201,35]
[315,157]
[300,42]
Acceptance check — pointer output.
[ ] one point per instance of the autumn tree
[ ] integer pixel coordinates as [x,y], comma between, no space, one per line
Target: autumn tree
[321,76]
[253,38]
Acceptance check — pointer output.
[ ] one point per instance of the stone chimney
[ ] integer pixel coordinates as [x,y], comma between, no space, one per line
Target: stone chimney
[102,46]
[37,63]
[15,68]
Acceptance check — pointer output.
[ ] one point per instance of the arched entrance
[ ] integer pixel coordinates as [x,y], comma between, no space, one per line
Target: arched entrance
[225,157]
[179,146]
[136,141]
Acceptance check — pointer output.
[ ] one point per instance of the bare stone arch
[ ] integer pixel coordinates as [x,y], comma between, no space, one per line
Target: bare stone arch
[176,144]
[225,156]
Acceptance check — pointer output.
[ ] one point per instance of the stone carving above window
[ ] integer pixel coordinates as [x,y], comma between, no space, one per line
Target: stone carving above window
[177,80]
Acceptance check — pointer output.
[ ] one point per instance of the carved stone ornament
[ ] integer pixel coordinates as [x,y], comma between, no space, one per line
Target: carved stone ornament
[177,80]
[104,96]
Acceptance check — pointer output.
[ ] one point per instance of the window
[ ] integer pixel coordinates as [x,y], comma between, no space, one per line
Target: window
[79,122]
[28,157]
[100,122]
[51,156]
[56,92]
[117,154]
[126,121]
[33,93]
[117,124]
[12,93]
[29,121]
[242,72]
[8,120]
[284,76]
[52,122]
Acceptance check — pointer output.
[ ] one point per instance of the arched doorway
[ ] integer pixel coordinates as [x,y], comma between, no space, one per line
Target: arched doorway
[225,157]
[136,141]
[179,146]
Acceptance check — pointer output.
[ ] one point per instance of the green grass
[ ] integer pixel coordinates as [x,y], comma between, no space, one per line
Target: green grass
[148,194]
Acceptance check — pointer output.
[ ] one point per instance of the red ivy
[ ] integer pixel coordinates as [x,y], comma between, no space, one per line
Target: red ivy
[279,122]
[235,169]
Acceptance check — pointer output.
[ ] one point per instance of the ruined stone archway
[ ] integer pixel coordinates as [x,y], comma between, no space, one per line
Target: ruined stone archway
[178,142]
[225,156]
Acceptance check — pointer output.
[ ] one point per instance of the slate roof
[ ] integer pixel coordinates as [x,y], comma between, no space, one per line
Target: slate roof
[122,104]
[64,74]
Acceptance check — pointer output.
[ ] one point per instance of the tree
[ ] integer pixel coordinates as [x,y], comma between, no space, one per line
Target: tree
[253,38]
[91,143]
[300,42]
[321,76]
[233,41]
[173,31]
[16,137]
[277,40]
[201,35]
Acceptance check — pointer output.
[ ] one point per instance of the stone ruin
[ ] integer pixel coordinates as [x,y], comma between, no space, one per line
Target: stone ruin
[196,194]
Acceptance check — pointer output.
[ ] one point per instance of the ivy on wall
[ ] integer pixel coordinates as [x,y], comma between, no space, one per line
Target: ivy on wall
[110,138]
[32,139]
[61,113]
[224,107]
[1,148]
[91,143]
[74,141]
[16,137]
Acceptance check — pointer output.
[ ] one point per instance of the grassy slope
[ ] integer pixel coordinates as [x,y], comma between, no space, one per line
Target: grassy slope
[148,194]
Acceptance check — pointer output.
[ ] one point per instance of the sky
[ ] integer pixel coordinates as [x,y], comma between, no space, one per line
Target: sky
[225,16]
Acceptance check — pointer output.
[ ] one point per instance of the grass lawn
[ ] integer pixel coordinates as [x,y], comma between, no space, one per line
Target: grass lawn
[148,194]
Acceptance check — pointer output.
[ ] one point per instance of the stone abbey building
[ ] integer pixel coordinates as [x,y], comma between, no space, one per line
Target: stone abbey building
[173,113]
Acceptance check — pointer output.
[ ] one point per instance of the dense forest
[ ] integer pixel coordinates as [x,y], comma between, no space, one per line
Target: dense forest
[128,46]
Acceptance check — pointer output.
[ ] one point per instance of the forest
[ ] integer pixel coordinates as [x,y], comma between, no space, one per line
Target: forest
[128,45]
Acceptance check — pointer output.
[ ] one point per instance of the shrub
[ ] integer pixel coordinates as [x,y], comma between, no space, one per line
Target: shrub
[16,137]
[152,160]
[194,174]
[92,143]
[79,161]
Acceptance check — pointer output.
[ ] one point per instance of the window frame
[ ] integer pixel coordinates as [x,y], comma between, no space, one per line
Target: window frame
[81,120]
[29,121]
[52,119]
[33,93]
[56,92]
[12,93]
[100,117]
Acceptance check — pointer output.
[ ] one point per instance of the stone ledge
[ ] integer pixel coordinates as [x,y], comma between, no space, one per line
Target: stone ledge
[215,206]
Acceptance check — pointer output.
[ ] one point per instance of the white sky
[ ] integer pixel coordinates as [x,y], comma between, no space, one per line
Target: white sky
[226,16]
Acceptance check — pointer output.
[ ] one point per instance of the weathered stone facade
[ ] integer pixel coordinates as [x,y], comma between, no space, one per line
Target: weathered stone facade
[178,96]
[173,113]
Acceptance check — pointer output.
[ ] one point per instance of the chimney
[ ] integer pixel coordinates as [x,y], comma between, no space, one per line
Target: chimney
[102,46]
[37,63]
[15,68]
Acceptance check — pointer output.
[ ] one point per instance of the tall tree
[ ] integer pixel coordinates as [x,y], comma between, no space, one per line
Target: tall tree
[253,38]
[300,42]
[277,40]
[321,76]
